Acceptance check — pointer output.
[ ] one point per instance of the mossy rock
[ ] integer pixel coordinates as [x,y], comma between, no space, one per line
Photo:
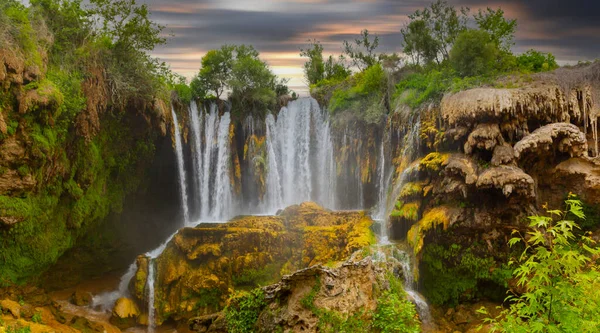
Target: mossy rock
[201,266]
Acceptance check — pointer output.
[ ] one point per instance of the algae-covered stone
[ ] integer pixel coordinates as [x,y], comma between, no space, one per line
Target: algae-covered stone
[125,313]
[12,307]
[201,266]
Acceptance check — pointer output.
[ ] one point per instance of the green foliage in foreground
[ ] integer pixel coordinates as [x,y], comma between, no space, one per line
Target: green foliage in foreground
[243,310]
[394,313]
[559,271]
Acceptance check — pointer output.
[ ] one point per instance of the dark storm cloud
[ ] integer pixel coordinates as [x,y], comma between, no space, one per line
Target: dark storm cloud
[569,29]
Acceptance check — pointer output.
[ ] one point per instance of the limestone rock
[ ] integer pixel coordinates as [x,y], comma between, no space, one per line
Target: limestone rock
[503,155]
[564,137]
[12,307]
[351,288]
[508,179]
[125,313]
[484,137]
[491,104]
[580,175]
[201,266]
[463,166]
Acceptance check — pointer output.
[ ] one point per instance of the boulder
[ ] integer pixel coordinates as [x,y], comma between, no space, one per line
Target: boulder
[483,137]
[125,313]
[201,266]
[10,307]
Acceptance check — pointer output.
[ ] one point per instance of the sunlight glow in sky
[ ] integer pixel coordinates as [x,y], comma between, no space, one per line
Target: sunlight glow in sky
[278,29]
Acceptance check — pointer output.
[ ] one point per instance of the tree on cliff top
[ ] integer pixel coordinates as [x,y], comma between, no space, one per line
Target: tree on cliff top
[317,69]
[238,70]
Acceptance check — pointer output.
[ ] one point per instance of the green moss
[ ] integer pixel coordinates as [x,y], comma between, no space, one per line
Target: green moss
[258,277]
[408,211]
[208,298]
[452,274]
[101,173]
[243,310]
[395,313]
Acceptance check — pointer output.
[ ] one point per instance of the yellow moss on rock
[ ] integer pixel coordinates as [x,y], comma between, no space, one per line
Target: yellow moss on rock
[411,189]
[433,162]
[438,216]
[201,266]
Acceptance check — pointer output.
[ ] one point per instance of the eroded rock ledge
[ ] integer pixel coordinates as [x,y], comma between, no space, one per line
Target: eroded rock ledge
[201,266]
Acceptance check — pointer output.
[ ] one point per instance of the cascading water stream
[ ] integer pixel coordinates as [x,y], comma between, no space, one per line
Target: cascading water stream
[181,169]
[301,165]
[222,205]
[196,131]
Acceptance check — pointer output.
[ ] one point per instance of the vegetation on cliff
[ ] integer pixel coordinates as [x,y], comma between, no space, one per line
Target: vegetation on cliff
[83,102]
[237,70]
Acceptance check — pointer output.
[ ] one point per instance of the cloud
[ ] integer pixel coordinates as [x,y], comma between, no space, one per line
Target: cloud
[279,28]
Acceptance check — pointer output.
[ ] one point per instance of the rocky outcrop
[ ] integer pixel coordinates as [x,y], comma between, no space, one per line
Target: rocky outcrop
[508,179]
[558,137]
[319,299]
[201,266]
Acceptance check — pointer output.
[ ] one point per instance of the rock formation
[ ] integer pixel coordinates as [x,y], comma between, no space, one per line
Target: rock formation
[201,266]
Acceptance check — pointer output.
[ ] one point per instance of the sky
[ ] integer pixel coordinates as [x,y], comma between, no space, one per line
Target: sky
[278,29]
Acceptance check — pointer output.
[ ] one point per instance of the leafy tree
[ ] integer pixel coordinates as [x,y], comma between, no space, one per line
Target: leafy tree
[558,269]
[69,22]
[501,30]
[362,51]
[432,31]
[314,67]
[127,24]
[216,69]
[535,61]
[419,43]
[474,53]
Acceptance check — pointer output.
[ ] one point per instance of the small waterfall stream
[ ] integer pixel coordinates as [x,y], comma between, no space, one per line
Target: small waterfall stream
[181,169]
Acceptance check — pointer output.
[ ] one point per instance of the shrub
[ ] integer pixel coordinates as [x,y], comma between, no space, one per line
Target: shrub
[560,275]
[243,309]
[534,61]
[473,53]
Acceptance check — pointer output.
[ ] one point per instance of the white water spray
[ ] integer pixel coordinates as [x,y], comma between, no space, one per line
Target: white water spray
[181,169]
[301,153]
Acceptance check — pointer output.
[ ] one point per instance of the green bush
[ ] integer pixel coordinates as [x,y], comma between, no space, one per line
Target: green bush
[534,61]
[559,273]
[451,273]
[474,53]
[364,93]
[394,312]
[243,309]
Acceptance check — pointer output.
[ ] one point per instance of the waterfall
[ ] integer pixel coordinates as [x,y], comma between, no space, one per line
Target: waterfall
[273,195]
[181,169]
[196,131]
[150,290]
[409,286]
[222,193]
[210,126]
[301,165]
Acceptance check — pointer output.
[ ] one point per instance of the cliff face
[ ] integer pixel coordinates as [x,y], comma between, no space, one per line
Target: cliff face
[494,157]
[68,157]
